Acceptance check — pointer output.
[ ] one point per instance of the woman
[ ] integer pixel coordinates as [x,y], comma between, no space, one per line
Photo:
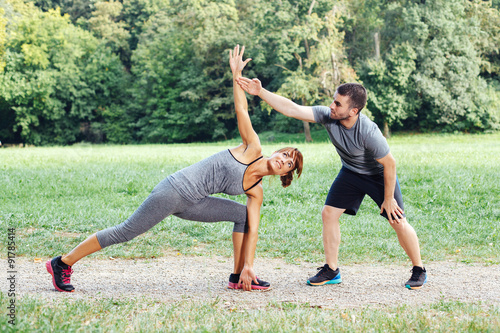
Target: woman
[186,194]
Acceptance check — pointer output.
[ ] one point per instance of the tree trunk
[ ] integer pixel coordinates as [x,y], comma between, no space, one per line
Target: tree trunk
[386,131]
[309,12]
[307,131]
[377,46]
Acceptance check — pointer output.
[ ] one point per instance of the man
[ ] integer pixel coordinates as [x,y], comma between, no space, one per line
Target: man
[368,167]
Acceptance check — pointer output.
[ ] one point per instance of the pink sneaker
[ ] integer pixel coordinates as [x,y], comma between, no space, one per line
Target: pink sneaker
[234,279]
[61,274]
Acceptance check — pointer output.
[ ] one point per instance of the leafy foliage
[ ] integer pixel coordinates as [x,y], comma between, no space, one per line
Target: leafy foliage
[56,77]
[448,73]
[156,70]
[429,77]
[192,101]
[391,96]
[3,35]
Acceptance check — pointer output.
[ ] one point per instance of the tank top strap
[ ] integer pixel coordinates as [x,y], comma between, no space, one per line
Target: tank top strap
[251,187]
[258,158]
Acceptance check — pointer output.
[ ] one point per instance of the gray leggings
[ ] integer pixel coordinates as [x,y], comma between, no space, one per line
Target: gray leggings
[163,201]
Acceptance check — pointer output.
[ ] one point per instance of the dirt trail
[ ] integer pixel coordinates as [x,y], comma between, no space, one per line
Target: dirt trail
[177,278]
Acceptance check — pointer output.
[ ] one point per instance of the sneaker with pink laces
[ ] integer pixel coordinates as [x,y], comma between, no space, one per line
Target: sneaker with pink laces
[61,274]
[235,278]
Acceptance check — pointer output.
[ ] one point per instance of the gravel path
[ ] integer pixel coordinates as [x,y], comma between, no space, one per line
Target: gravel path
[175,278]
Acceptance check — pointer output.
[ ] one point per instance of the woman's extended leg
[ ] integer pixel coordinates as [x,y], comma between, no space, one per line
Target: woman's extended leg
[60,267]
[163,201]
[88,246]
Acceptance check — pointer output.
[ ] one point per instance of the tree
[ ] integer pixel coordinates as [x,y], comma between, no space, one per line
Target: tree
[488,18]
[3,37]
[391,90]
[156,70]
[182,87]
[48,86]
[452,94]
[105,24]
[364,21]
[427,76]
[76,9]
[299,52]
[136,13]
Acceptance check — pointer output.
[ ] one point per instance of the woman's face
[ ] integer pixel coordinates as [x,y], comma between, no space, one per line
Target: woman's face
[281,162]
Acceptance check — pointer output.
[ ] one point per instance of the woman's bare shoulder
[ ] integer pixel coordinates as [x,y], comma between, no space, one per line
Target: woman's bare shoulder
[246,153]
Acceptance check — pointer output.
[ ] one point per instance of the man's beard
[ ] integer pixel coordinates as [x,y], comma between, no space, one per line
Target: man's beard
[339,118]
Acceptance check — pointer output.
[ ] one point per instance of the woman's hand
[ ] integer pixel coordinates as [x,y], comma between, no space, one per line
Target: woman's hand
[246,277]
[236,59]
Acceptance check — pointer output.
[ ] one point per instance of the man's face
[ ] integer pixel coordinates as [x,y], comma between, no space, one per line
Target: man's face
[340,108]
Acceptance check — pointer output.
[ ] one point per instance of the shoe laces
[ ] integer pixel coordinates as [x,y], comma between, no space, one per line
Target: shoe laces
[66,275]
[322,270]
[415,274]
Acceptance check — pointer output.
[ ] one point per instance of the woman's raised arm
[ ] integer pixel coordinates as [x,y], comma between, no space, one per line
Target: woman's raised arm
[247,133]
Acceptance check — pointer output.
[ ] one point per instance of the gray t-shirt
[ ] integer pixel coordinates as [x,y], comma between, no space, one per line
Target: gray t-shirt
[358,146]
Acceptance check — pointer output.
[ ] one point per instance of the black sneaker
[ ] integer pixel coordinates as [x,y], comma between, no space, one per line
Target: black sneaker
[326,275]
[418,278]
[61,274]
[235,278]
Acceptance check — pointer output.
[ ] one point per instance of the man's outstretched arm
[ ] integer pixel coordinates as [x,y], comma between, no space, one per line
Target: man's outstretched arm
[279,103]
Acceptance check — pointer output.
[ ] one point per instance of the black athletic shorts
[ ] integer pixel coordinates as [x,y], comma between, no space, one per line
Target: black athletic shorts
[349,189]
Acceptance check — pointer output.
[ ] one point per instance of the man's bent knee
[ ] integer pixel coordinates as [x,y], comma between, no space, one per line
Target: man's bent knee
[399,225]
[329,213]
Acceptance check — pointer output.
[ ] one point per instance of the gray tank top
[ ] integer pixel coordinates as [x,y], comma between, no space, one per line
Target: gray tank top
[219,173]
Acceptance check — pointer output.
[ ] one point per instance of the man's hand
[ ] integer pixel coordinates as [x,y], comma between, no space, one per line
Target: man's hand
[236,59]
[246,277]
[394,212]
[253,87]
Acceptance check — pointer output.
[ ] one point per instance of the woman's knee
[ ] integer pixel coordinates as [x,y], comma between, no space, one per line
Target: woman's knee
[112,236]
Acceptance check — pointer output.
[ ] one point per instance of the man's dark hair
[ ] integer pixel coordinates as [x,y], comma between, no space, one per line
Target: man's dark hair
[356,93]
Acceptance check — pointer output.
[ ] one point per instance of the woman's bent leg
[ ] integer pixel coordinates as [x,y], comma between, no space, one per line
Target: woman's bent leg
[239,253]
[213,209]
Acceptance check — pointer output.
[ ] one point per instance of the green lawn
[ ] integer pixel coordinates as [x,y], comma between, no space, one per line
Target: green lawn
[57,196]
[143,315]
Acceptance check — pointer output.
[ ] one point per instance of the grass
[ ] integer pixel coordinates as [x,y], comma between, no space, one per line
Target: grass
[144,315]
[57,196]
